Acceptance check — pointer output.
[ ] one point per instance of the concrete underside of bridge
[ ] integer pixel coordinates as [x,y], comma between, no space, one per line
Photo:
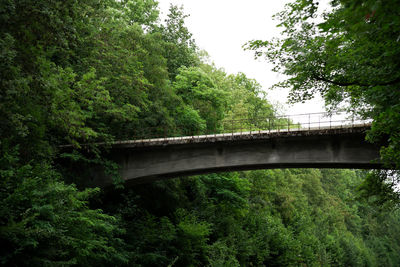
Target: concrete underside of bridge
[335,148]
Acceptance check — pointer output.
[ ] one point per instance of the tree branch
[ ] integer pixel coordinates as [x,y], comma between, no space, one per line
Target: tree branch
[319,78]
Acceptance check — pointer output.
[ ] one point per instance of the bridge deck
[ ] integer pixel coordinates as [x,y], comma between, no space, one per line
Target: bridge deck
[147,160]
[245,135]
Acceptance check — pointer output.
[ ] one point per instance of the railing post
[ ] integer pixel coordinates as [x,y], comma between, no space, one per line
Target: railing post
[288,124]
[269,125]
[309,122]
[298,126]
[319,122]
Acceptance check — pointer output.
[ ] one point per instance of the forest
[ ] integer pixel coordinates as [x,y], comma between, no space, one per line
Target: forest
[97,71]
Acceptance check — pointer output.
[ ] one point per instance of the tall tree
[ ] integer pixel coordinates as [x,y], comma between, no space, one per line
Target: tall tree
[349,55]
[180,46]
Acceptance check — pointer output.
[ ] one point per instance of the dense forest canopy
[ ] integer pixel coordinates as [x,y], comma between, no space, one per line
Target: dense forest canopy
[348,54]
[75,72]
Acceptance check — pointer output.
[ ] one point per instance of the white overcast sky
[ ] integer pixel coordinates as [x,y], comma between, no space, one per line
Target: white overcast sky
[222,27]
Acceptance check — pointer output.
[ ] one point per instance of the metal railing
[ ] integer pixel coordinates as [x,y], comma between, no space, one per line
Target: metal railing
[262,124]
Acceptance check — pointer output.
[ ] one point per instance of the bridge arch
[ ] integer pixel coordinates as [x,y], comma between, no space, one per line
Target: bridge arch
[147,160]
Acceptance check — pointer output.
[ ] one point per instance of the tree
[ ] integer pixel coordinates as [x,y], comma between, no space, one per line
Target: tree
[349,55]
[46,222]
[180,46]
[74,72]
[199,91]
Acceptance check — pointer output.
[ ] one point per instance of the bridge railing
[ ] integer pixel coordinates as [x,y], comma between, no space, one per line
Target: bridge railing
[263,124]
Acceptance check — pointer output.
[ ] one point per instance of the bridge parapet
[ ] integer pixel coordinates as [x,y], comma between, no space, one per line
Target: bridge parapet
[245,135]
[147,160]
[251,128]
[251,125]
[254,128]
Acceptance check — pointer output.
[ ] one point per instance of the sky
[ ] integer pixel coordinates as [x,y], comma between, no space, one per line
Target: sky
[222,27]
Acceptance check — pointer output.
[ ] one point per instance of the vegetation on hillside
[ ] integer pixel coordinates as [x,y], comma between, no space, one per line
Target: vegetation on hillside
[75,72]
[348,54]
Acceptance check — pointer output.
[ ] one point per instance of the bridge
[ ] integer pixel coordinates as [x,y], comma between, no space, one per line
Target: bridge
[283,142]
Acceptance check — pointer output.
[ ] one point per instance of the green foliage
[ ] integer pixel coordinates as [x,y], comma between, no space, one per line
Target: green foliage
[142,12]
[189,122]
[74,73]
[198,90]
[268,217]
[181,48]
[347,54]
[49,222]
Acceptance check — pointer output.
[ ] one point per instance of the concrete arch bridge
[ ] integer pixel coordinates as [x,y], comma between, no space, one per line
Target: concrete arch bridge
[316,140]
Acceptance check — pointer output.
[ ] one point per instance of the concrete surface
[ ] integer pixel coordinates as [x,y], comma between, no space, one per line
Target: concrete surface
[144,161]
